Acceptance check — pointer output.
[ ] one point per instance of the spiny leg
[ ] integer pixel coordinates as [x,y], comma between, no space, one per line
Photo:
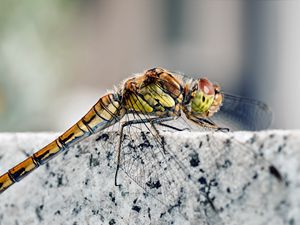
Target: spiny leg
[208,123]
[171,127]
[160,121]
[222,129]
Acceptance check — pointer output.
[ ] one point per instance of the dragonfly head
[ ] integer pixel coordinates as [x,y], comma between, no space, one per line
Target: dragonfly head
[202,98]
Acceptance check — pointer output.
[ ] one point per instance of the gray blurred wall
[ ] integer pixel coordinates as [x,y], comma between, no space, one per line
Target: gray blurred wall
[57,59]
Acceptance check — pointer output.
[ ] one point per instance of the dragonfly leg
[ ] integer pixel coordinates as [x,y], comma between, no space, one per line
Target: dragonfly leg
[167,125]
[222,129]
[159,122]
[172,127]
[208,123]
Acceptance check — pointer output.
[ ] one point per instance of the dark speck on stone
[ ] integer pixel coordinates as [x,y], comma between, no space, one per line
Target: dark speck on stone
[292,221]
[113,199]
[253,139]
[261,146]
[213,183]
[146,143]
[207,138]
[227,142]
[103,137]
[112,222]
[228,190]
[66,152]
[94,161]
[202,180]
[246,186]
[59,180]
[52,174]
[280,147]
[77,209]
[95,212]
[255,176]
[200,144]
[108,155]
[227,163]
[38,211]
[194,159]
[134,201]
[152,184]
[273,170]
[136,208]
[149,213]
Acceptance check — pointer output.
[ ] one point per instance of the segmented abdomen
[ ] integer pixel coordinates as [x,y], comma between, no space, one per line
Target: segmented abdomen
[106,112]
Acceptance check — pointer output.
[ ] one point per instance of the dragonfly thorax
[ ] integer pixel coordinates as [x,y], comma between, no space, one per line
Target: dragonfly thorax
[154,92]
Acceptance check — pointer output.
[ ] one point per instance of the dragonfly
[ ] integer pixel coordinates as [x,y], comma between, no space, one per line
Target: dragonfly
[153,99]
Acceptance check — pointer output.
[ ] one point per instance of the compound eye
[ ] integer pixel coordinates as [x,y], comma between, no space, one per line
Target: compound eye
[206,86]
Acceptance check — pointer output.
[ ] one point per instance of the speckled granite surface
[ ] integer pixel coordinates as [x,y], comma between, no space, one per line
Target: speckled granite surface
[221,178]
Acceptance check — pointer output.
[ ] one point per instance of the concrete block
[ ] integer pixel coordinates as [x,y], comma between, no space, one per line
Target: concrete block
[194,178]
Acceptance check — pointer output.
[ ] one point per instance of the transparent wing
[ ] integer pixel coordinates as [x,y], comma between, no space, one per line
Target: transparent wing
[214,176]
[238,113]
[159,172]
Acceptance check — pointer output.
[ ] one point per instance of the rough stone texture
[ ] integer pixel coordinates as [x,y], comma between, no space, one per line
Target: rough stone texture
[200,178]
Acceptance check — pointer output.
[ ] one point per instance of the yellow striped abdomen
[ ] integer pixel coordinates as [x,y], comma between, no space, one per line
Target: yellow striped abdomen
[106,112]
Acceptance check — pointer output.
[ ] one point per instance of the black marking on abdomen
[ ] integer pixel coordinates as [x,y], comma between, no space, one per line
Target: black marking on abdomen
[98,114]
[87,126]
[17,175]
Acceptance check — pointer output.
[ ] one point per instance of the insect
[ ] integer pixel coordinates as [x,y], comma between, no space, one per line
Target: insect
[153,98]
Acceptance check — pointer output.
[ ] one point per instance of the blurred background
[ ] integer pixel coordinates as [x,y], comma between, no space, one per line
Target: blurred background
[58,57]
